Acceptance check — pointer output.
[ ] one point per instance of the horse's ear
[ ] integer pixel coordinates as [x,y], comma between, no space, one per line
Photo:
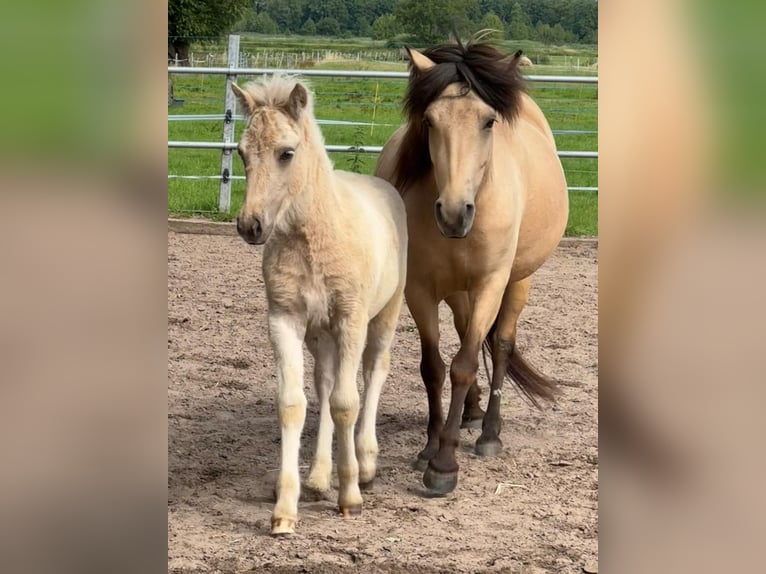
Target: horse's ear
[245,100]
[419,61]
[297,101]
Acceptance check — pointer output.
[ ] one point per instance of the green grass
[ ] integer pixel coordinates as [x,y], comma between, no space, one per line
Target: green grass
[568,107]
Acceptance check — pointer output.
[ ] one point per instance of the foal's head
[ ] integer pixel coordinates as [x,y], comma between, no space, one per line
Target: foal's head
[456,97]
[271,150]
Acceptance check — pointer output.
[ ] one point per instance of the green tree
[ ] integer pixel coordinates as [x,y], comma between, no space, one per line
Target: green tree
[328,27]
[491,21]
[262,23]
[190,18]
[309,28]
[385,27]
[518,28]
[431,21]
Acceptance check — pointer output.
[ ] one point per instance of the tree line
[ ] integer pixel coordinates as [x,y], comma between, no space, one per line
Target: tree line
[396,21]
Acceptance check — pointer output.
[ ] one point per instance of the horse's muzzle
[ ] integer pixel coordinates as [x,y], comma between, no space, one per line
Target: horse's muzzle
[454,224]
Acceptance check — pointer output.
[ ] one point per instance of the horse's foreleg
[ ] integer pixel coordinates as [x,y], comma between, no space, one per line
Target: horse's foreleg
[441,474]
[503,341]
[344,409]
[287,341]
[376,362]
[425,312]
[324,374]
[461,311]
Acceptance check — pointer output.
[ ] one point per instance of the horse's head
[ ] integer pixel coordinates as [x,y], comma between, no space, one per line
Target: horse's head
[458,94]
[270,148]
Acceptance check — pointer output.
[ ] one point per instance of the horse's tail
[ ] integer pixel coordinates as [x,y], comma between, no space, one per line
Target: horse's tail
[532,384]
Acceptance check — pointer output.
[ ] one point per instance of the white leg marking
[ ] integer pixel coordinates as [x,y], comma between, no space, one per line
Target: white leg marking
[287,342]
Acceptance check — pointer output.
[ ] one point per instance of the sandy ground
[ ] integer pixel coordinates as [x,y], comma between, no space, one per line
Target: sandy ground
[223,439]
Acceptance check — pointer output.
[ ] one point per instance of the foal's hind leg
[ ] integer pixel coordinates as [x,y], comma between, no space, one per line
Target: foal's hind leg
[324,352]
[503,341]
[375,365]
[461,310]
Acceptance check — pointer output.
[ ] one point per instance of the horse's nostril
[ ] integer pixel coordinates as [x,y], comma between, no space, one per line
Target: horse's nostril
[469,207]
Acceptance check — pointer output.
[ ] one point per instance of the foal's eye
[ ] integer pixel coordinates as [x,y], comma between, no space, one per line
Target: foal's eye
[287,155]
[426,123]
[489,124]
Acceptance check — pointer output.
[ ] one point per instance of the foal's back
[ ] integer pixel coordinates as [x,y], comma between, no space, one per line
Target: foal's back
[374,216]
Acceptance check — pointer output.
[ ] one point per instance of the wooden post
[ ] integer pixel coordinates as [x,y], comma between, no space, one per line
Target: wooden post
[230,108]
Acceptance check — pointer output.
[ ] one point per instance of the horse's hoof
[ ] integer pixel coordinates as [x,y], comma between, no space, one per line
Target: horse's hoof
[367,486]
[349,512]
[488,447]
[282,526]
[471,423]
[439,482]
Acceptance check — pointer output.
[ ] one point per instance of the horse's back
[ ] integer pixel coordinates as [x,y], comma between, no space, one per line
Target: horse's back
[546,200]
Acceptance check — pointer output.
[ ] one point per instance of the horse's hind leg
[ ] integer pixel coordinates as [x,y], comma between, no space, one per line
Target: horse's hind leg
[461,310]
[324,374]
[503,341]
[375,365]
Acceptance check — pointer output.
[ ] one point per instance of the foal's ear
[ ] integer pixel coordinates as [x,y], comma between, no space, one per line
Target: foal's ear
[419,61]
[297,101]
[245,100]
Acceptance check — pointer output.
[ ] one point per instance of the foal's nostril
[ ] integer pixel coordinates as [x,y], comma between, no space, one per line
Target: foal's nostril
[257,228]
[469,208]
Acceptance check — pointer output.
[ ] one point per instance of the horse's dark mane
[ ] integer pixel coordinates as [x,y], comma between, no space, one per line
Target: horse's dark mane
[492,75]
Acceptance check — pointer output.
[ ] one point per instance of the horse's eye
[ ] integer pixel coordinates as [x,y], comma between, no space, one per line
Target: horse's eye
[489,124]
[426,123]
[287,155]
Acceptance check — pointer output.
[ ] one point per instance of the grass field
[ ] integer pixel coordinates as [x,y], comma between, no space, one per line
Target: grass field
[567,106]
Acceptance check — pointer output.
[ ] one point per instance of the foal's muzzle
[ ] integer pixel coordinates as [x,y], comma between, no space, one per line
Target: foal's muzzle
[251,229]
[454,223]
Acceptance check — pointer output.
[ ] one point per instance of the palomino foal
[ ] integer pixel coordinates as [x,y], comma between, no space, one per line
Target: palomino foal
[334,264]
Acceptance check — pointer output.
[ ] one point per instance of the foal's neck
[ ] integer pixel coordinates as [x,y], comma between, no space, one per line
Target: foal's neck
[313,192]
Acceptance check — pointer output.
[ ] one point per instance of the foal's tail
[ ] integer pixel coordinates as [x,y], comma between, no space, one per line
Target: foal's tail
[532,384]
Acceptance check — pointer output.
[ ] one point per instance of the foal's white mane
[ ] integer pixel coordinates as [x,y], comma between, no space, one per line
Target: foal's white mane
[274,91]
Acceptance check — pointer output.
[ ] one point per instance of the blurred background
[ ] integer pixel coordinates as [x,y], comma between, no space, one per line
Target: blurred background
[83,174]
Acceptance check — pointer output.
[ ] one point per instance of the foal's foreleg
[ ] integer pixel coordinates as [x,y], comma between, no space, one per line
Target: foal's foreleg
[287,341]
[324,352]
[344,409]
[375,365]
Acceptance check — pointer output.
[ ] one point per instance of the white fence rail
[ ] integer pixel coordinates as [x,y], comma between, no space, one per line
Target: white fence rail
[229,117]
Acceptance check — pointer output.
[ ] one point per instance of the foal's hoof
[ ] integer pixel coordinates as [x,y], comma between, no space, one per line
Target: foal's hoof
[349,512]
[471,423]
[282,526]
[488,447]
[367,486]
[440,483]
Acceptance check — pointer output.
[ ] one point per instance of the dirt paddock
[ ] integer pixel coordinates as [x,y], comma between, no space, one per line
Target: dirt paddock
[531,510]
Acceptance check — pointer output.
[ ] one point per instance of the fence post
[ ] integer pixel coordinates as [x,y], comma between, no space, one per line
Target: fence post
[230,108]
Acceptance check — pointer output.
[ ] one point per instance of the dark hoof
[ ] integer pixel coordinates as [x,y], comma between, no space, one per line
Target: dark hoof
[367,486]
[439,482]
[351,511]
[489,447]
[471,423]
